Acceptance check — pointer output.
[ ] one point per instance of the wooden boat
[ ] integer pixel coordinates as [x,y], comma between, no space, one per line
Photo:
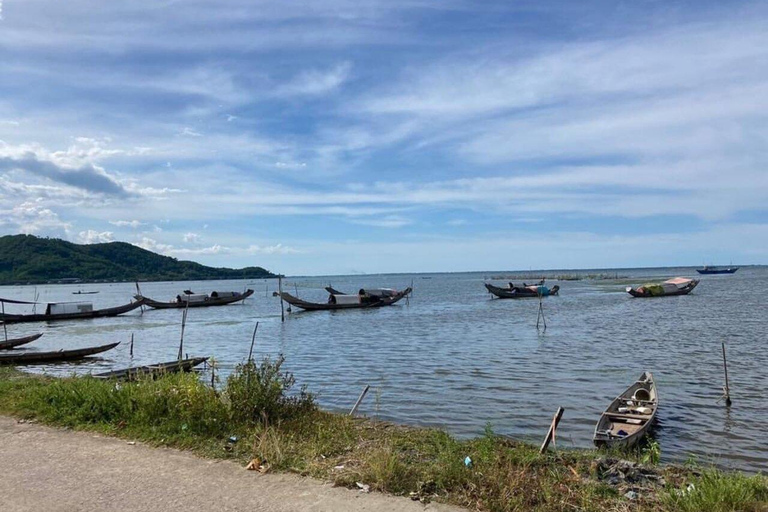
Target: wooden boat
[717,270]
[153,370]
[519,292]
[630,415]
[15,342]
[53,357]
[67,311]
[194,300]
[674,286]
[80,292]
[342,301]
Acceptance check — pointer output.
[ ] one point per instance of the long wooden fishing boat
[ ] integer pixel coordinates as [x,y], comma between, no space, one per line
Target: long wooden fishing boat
[629,416]
[674,286]
[66,311]
[195,300]
[368,299]
[16,342]
[153,370]
[519,292]
[717,270]
[55,356]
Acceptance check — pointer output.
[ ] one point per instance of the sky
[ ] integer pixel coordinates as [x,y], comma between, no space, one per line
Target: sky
[365,136]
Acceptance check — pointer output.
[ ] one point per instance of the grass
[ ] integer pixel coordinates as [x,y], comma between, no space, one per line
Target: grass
[257,416]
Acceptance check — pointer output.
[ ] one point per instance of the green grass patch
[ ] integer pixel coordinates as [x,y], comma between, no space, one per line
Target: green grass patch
[285,431]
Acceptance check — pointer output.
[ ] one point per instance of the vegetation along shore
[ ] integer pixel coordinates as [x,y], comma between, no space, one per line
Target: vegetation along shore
[257,416]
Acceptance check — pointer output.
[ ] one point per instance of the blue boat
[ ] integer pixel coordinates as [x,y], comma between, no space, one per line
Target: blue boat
[717,270]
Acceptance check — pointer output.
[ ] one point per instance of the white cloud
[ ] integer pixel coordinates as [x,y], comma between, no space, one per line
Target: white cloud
[271,249]
[192,238]
[388,221]
[127,223]
[95,237]
[316,82]
[31,217]
[189,132]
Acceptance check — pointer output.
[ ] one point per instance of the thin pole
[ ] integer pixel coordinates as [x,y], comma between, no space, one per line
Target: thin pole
[360,399]
[5,327]
[183,323]
[131,345]
[540,315]
[280,291]
[253,340]
[138,292]
[727,387]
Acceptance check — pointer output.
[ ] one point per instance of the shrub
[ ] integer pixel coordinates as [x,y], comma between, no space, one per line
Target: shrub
[261,393]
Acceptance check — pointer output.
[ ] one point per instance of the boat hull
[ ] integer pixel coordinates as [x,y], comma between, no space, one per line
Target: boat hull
[706,271]
[154,370]
[518,292]
[211,301]
[99,313]
[17,342]
[54,357]
[318,306]
[624,429]
[681,291]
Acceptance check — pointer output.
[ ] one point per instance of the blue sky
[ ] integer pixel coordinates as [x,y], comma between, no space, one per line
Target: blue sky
[344,136]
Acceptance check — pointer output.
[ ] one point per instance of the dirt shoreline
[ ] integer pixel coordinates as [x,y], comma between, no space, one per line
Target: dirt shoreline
[51,469]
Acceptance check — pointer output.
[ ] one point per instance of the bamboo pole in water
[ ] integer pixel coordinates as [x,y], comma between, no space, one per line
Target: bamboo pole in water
[727,387]
[253,340]
[280,291]
[183,324]
[359,400]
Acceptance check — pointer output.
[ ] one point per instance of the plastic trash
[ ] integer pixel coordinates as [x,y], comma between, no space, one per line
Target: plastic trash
[468,462]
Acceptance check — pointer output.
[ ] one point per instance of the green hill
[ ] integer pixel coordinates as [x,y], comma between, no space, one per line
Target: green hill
[29,259]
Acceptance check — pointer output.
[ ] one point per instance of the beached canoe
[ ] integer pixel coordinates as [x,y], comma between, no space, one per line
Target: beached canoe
[194,300]
[152,370]
[16,342]
[520,292]
[66,311]
[369,299]
[629,416]
[674,286]
[53,357]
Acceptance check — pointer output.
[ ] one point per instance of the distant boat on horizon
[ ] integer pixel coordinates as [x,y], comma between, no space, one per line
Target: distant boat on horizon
[717,270]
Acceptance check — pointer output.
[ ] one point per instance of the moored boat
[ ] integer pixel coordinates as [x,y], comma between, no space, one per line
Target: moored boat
[66,311]
[674,286]
[197,300]
[54,356]
[519,292]
[365,298]
[629,416]
[16,342]
[717,270]
[153,370]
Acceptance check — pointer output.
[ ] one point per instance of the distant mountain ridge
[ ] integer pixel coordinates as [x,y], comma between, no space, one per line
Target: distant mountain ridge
[31,259]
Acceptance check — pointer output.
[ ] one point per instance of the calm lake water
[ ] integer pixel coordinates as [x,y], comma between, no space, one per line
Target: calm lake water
[456,359]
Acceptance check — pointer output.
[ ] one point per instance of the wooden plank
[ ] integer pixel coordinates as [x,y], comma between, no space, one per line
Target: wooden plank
[552,428]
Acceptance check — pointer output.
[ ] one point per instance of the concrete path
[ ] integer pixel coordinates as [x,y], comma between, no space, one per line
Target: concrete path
[45,469]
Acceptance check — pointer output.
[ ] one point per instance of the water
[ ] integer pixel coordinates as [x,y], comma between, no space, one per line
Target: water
[456,359]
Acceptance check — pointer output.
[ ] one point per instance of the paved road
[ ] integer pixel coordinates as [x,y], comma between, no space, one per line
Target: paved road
[45,469]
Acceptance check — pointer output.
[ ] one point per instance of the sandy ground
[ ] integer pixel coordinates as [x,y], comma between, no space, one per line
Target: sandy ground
[45,469]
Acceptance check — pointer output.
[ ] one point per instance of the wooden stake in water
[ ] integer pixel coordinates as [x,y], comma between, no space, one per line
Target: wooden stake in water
[253,340]
[183,324]
[360,399]
[131,345]
[138,292]
[540,316]
[552,429]
[5,327]
[280,291]
[727,387]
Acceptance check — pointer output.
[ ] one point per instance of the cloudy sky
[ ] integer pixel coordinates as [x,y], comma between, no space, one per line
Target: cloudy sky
[340,136]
